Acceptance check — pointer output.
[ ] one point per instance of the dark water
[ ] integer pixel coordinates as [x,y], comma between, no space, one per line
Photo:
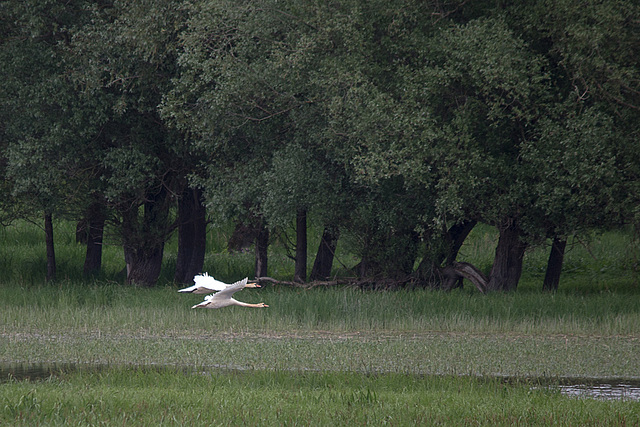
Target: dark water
[589,388]
[41,371]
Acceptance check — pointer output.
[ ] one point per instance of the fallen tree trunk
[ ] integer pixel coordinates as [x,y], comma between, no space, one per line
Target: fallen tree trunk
[296,284]
[455,272]
[361,283]
[430,271]
[450,275]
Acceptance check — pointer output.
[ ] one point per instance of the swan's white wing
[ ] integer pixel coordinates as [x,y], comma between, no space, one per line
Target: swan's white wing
[231,289]
[205,284]
[204,304]
[206,281]
[189,289]
[222,298]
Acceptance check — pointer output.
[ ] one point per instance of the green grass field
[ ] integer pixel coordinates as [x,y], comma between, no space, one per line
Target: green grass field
[322,356]
[169,397]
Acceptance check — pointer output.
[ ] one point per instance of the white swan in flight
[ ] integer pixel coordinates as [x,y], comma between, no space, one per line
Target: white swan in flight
[206,284]
[224,298]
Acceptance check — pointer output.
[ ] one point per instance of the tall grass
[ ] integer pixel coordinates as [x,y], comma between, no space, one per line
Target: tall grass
[169,397]
[332,309]
[341,329]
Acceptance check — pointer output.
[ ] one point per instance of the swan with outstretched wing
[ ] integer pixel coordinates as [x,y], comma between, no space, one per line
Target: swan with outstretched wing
[224,298]
[205,284]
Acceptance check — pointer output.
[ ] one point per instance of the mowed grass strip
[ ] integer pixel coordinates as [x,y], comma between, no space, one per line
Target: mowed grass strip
[499,354]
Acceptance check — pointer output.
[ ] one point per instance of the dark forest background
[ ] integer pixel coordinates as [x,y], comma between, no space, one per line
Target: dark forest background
[397,126]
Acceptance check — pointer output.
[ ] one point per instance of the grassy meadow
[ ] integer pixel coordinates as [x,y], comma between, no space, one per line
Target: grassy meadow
[320,356]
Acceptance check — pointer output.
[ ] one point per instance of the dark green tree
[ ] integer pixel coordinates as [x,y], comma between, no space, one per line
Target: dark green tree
[492,127]
[125,59]
[43,157]
[591,137]
[246,98]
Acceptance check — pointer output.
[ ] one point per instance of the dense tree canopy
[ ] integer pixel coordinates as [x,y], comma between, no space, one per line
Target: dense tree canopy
[397,124]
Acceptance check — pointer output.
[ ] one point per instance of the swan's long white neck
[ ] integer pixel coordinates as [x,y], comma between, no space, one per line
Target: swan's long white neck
[243,304]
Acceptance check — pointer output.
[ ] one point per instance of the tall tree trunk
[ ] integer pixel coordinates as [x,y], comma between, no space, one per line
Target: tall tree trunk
[262,245]
[554,264]
[191,235]
[200,235]
[94,220]
[369,265]
[51,253]
[185,235]
[145,265]
[507,264]
[144,240]
[324,258]
[456,235]
[300,273]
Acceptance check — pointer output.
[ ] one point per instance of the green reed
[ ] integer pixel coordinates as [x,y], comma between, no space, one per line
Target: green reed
[135,396]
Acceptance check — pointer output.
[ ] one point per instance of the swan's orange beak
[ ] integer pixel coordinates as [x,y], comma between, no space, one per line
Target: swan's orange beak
[252,285]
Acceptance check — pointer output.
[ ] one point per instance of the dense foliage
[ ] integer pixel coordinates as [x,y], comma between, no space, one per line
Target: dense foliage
[396,125]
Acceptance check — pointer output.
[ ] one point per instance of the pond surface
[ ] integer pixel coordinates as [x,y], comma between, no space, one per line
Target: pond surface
[41,371]
[589,388]
[610,390]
